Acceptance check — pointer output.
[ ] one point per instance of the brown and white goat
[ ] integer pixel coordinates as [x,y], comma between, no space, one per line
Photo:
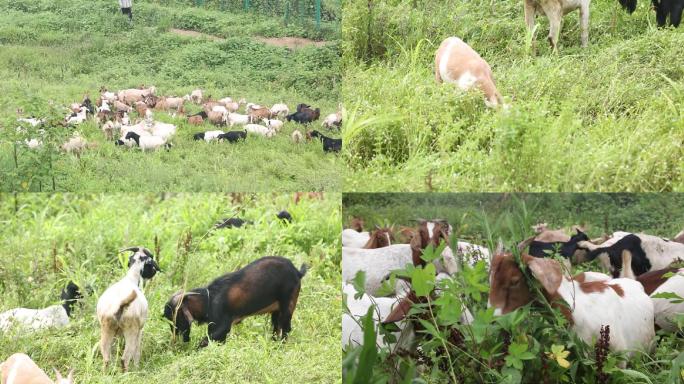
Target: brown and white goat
[456,62]
[588,301]
[20,369]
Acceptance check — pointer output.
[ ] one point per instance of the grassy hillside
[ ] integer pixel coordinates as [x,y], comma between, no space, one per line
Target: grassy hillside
[48,240]
[605,118]
[530,344]
[53,52]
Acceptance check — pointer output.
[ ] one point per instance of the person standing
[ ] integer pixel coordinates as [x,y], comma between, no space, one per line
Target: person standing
[127,8]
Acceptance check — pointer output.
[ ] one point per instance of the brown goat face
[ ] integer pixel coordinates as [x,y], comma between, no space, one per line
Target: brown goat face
[181,325]
[428,233]
[508,289]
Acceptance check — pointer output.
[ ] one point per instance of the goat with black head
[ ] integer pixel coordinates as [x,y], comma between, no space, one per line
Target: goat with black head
[268,285]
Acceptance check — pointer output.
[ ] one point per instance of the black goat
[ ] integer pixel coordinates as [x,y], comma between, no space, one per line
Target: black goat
[304,115]
[233,136]
[71,294]
[567,249]
[270,284]
[233,222]
[329,144]
[663,8]
[284,216]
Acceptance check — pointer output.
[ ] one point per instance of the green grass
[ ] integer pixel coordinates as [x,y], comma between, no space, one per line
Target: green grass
[49,239]
[52,53]
[605,118]
[486,352]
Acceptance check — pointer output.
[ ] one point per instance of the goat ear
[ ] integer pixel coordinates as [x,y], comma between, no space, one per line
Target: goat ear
[70,375]
[546,271]
[58,376]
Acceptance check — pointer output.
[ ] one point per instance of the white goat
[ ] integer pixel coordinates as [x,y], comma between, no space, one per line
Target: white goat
[79,118]
[236,118]
[554,10]
[122,308]
[20,369]
[280,110]
[260,130]
[273,123]
[353,239]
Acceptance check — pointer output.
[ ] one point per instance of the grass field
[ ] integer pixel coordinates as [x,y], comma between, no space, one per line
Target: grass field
[524,346]
[53,52]
[49,239]
[605,118]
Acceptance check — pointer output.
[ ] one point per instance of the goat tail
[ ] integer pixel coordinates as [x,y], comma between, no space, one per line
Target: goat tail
[125,303]
[302,270]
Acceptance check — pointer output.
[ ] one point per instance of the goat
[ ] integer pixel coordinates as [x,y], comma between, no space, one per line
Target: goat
[456,62]
[304,115]
[284,216]
[333,120]
[130,96]
[260,130]
[76,145]
[170,103]
[122,308]
[663,8]
[329,144]
[20,369]
[55,316]
[275,124]
[148,143]
[379,263]
[354,239]
[256,114]
[197,96]
[666,310]
[208,135]
[352,334]
[648,252]
[232,222]
[620,304]
[270,284]
[555,10]
[547,242]
[233,136]
[109,128]
[378,238]
[236,118]
[280,110]
[77,118]
[297,136]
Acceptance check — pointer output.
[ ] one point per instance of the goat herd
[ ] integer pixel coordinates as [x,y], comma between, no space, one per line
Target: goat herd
[269,285]
[457,63]
[112,113]
[640,266]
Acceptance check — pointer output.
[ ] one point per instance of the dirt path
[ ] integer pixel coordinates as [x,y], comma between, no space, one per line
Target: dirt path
[287,42]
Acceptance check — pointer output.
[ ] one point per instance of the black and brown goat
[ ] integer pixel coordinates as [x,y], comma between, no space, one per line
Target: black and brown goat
[270,284]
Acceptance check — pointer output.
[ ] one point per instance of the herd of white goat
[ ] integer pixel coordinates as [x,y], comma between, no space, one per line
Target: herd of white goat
[114,113]
[624,296]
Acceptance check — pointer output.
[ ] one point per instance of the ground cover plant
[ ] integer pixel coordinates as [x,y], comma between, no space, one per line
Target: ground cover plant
[52,53]
[604,118]
[48,240]
[532,344]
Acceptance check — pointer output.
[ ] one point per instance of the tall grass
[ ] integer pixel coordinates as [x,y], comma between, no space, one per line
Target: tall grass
[50,239]
[606,118]
[50,58]
[532,344]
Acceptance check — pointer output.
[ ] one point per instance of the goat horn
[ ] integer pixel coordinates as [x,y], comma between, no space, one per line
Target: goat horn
[58,376]
[70,375]
[132,249]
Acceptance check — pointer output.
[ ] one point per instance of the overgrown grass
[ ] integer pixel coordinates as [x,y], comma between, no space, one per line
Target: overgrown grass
[529,344]
[52,53]
[48,239]
[606,118]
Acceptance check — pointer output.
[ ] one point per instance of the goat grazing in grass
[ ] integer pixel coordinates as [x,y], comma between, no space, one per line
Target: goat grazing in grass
[270,284]
[20,369]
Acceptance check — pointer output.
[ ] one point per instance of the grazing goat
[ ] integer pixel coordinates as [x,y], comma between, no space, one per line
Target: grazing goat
[666,310]
[378,238]
[280,110]
[76,145]
[148,143]
[352,334]
[270,284]
[555,10]
[130,96]
[195,120]
[547,242]
[297,136]
[456,62]
[20,369]
[233,136]
[208,135]
[122,308]
[304,115]
[256,114]
[334,120]
[354,239]
[170,103]
[275,124]
[55,316]
[260,130]
[648,252]
[233,222]
[620,304]
[284,216]
[329,144]
[77,118]
[379,263]
[663,8]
